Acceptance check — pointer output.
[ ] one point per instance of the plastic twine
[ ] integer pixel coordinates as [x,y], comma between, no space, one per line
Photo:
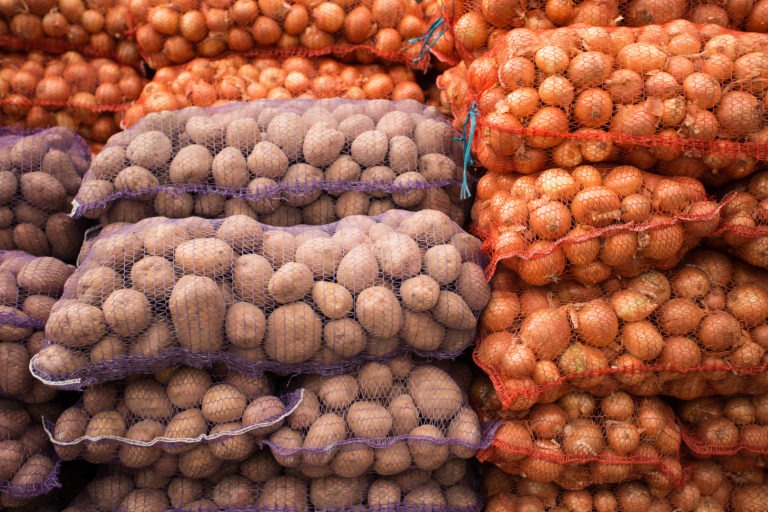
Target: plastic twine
[466,138]
[429,38]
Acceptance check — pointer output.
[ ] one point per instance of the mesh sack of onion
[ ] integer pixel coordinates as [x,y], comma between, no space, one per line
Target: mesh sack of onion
[680,99]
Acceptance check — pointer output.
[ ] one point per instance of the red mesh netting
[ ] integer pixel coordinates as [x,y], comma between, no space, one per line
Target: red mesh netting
[96,29]
[680,98]
[590,223]
[206,82]
[582,440]
[175,32]
[477,24]
[697,330]
[710,486]
[85,95]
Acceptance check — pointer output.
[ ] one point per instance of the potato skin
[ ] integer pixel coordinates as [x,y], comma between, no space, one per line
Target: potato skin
[294,333]
[198,310]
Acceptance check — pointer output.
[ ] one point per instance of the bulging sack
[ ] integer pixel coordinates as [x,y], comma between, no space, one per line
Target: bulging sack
[258,484]
[260,298]
[40,173]
[283,162]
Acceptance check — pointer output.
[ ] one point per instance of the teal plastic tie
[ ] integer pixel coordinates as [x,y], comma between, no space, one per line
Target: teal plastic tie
[430,38]
[466,137]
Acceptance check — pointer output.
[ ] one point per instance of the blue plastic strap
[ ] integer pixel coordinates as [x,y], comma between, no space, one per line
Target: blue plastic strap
[429,38]
[466,138]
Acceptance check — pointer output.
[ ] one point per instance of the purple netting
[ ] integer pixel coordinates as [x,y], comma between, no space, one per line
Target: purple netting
[40,173]
[259,298]
[310,161]
[258,484]
[40,466]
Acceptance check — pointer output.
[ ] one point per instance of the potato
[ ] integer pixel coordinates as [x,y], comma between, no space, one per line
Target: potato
[322,144]
[55,361]
[428,455]
[344,337]
[337,393]
[191,165]
[435,393]
[290,283]
[334,492]
[358,269]
[16,380]
[306,413]
[240,232]
[43,191]
[141,456]
[264,411]
[96,284]
[294,333]
[354,125]
[412,478]
[232,492]
[187,424]
[393,459]
[250,278]
[144,500]
[430,227]
[379,311]
[108,491]
[421,332]
[154,341]
[204,505]
[251,387]
[398,256]
[245,325]
[229,169]
[287,131]
[369,420]
[279,247]
[383,494]
[426,496]
[9,292]
[30,239]
[25,213]
[106,423]
[187,386]
[409,189]
[149,149]
[437,168]
[116,250]
[352,460]
[100,397]
[340,173]
[198,311]
[433,136]
[370,148]
[136,182]
[208,205]
[321,255]
[8,331]
[230,447]
[242,134]
[267,160]
[206,129]
[127,312]
[154,277]
[146,399]
[333,300]
[419,293]
[44,276]
[260,467]
[286,447]
[105,165]
[453,312]
[11,458]
[209,257]
[375,380]
[183,490]
[9,186]
[328,430]
[301,184]
[173,205]
[223,403]
[472,286]
[442,263]
[75,325]
[64,235]
[199,462]
[376,180]
[451,473]
[465,427]
[284,493]
[403,155]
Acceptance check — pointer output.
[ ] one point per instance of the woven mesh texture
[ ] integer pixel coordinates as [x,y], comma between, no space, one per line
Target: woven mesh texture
[29,287]
[283,162]
[175,32]
[260,298]
[259,484]
[681,99]
[692,331]
[40,172]
[477,24]
[207,82]
[589,223]
[87,95]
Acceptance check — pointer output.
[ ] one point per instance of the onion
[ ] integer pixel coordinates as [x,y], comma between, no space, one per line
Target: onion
[617,406]
[578,404]
[596,323]
[545,463]
[547,420]
[747,302]
[581,253]
[513,441]
[546,332]
[542,269]
[718,432]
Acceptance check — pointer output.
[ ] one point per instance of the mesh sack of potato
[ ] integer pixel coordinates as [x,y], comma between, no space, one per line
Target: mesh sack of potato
[71,91]
[172,32]
[263,298]
[28,466]
[477,24]
[637,96]
[696,330]
[208,82]
[385,419]
[710,486]
[590,223]
[40,173]
[259,484]
[283,162]
[183,411]
[582,440]
[95,29]
[29,286]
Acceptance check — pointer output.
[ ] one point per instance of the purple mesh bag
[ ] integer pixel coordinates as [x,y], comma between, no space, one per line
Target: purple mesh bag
[282,162]
[136,422]
[40,173]
[29,467]
[29,286]
[259,484]
[258,298]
